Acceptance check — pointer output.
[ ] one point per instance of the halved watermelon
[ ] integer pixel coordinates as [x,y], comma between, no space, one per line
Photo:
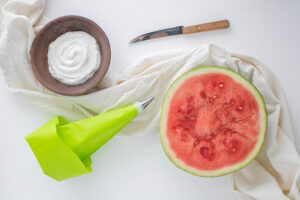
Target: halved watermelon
[213,121]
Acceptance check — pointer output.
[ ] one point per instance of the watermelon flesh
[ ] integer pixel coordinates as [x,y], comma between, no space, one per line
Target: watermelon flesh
[214,121]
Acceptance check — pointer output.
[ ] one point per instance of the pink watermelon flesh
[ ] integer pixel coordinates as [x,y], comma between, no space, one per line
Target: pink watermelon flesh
[213,122]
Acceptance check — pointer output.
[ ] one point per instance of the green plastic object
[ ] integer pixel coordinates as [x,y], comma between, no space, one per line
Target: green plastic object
[63,149]
[56,159]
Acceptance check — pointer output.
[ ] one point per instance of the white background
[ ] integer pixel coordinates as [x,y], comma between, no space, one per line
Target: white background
[136,167]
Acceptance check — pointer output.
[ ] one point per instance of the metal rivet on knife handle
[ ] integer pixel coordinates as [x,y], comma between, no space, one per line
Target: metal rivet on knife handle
[206,27]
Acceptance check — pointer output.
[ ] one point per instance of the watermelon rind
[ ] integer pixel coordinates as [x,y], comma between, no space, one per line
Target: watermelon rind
[164,116]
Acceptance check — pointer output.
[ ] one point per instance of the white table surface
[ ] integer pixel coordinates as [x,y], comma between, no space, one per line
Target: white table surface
[136,167]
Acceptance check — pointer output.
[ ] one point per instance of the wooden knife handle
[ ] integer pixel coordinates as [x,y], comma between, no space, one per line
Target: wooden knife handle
[206,27]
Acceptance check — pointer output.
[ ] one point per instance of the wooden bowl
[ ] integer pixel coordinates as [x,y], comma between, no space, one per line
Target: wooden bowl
[52,30]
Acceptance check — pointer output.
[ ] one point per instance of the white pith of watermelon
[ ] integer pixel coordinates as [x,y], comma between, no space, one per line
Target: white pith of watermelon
[204,164]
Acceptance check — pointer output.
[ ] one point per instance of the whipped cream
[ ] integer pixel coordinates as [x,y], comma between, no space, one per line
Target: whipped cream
[73,57]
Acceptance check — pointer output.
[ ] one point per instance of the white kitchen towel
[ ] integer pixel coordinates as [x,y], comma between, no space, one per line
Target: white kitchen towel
[275,174]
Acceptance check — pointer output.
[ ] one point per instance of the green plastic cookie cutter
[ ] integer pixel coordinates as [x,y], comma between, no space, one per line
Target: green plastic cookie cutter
[63,149]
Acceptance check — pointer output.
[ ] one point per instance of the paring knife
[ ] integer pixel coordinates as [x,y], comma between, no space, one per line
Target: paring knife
[183,30]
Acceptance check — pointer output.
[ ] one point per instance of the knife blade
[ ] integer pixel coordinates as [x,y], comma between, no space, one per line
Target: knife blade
[222,24]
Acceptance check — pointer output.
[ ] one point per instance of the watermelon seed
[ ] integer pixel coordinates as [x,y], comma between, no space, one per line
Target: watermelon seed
[221,85]
[207,153]
[196,143]
[211,99]
[203,94]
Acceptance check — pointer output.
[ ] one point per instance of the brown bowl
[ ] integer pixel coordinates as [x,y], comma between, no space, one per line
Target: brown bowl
[52,30]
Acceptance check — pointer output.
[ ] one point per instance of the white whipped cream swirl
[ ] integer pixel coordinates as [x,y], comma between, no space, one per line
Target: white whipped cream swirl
[73,57]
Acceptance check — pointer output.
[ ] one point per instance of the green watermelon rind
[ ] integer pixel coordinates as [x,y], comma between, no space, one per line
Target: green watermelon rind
[263,132]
